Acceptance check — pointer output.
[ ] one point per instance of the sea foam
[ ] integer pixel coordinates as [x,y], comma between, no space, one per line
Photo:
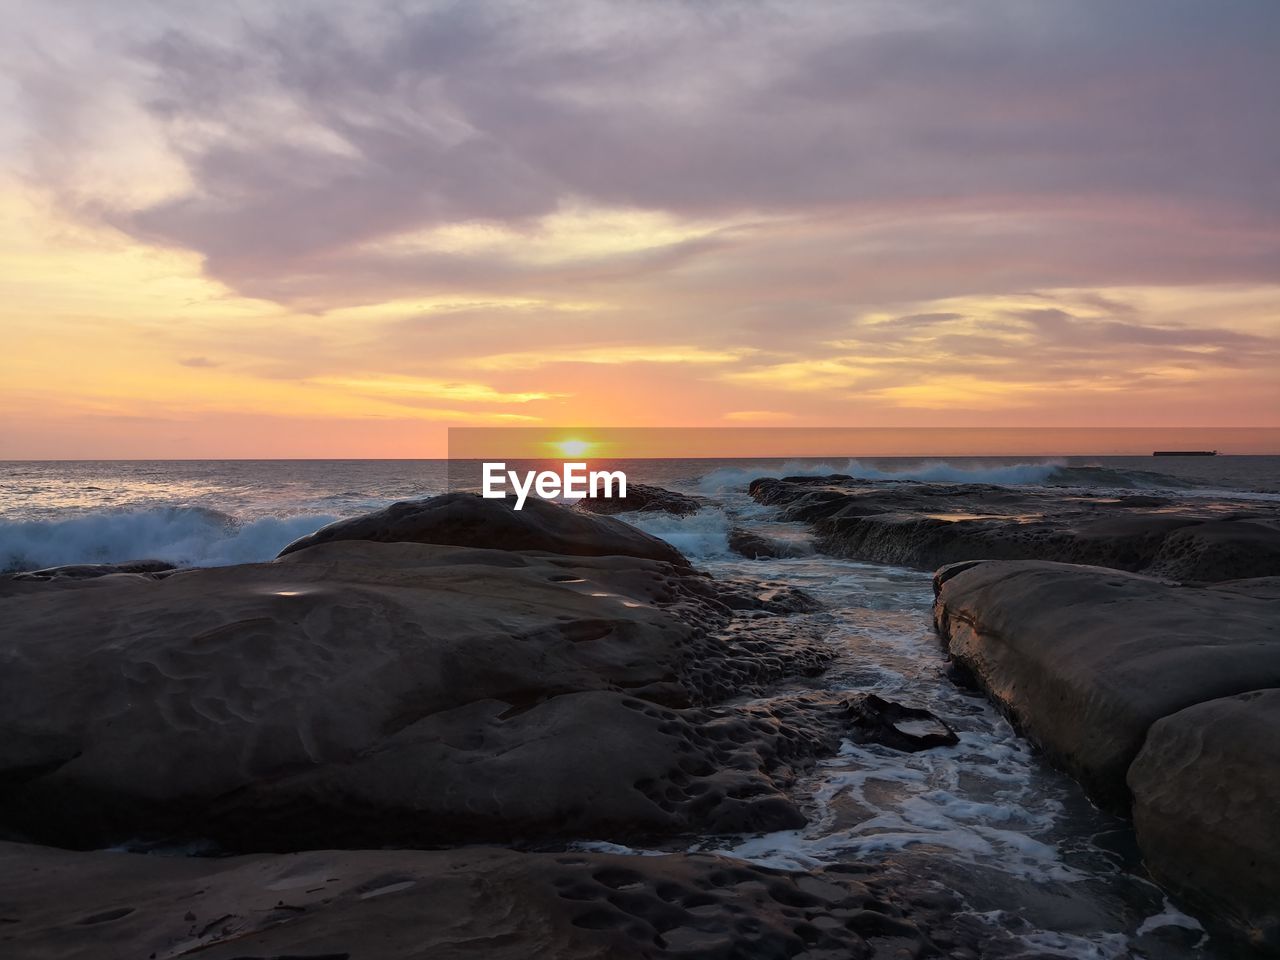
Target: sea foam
[180,535]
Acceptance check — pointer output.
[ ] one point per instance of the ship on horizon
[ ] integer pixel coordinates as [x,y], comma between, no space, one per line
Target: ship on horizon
[1184,453]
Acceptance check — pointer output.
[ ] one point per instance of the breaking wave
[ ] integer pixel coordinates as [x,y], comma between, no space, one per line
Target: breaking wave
[1055,473]
[186,536]
[702,536]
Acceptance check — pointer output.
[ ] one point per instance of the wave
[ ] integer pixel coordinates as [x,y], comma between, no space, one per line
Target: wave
[185,536]
[935,471]
[700,536]
[1048,473]
[1110,478]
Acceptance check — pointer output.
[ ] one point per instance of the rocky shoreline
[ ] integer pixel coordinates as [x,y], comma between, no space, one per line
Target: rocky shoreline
[928,525]
[441,673]
[1152,689]
[1162,699]
[352,727]
[449,905]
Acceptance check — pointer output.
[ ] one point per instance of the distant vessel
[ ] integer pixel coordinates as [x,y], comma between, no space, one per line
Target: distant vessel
[1185,453]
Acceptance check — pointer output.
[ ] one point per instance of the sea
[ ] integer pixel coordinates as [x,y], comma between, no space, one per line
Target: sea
[988,819]
[209,512]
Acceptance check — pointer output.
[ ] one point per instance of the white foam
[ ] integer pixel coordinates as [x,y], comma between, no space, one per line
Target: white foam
[179,535]
[1102,946]
[604,846]
[700,536]
[1170,916]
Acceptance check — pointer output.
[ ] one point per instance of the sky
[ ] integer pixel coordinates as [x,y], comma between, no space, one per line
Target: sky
[316,229]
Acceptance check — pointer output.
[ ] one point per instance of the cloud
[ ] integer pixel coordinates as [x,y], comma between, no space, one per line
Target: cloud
[310,140]
[413,390]
[839,210]
[759,416]
[996,354]
[608,355]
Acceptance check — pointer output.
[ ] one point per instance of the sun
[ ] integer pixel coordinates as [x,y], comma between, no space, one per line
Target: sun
[574,448]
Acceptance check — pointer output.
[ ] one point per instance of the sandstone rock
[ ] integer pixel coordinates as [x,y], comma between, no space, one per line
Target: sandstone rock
[1133,683]
[1206,806]
[929,525]
[643,498]
[446,905]
[468,520]
[360,692]
[1087,659]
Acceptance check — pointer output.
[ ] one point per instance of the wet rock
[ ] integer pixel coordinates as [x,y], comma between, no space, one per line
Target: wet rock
[643,498]
[1132,683]
[753,546]
[469,520]
[769,596]
[911,729]
[363,692]
[584,765]
[1087,659]
[88,571]
[499,904]
[1206,806]
[930,525]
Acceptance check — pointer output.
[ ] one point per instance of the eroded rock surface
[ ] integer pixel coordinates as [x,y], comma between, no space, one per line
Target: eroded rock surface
[928,525]
[450,905]
[359,692]
[469,520]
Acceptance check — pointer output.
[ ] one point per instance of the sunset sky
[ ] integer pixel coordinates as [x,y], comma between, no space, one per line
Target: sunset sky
[332,230]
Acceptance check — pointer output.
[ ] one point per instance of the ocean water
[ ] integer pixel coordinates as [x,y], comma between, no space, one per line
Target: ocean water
[236,511]
[1016,840]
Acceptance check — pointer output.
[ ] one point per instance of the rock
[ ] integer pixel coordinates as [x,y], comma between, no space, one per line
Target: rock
[370,693]
[928,525]
[1133,683]
[1233,549]
[88,571]
[753,546]
[447,905]
[469,520]
[1206,806]
[911,729]
[643,498]
[1087,659]
[592,764]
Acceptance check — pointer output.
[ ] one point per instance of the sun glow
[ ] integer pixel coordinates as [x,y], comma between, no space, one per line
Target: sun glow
[574,448]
